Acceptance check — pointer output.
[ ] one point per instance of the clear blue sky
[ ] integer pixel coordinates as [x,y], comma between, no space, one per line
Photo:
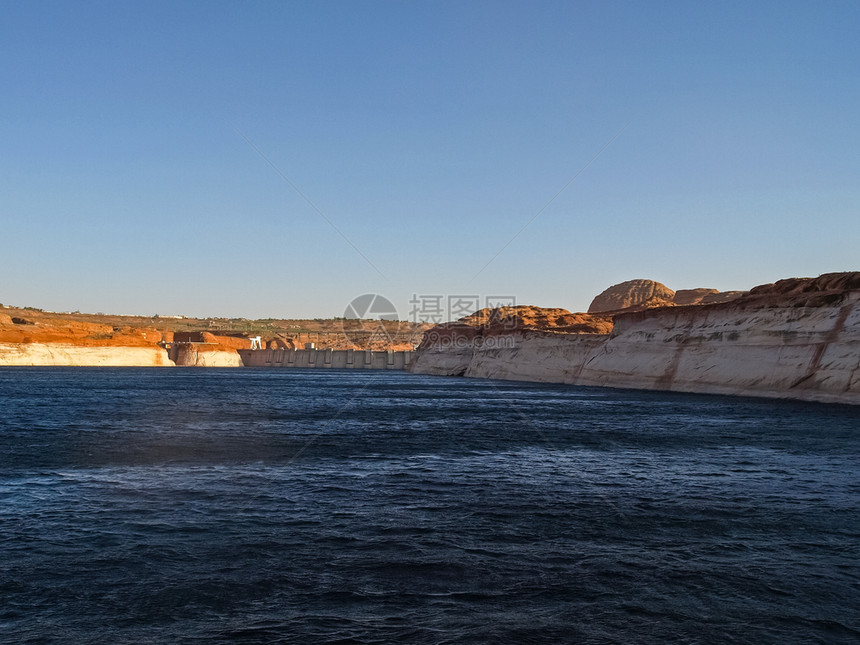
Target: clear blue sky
[429,133]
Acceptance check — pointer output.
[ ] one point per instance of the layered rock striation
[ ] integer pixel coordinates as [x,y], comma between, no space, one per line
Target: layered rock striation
[648,294]
[39,340]
[45,354]
[633,293]
[797,338]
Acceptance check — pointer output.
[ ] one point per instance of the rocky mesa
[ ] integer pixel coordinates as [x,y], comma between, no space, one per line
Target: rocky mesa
[797,338]
[648,294]
[30,336]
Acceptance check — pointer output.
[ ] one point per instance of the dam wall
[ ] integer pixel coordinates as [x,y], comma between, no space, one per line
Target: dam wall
[326,358]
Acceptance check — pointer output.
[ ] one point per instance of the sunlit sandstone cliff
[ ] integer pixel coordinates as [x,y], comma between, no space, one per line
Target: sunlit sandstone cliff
[102,356]
[45,340]
[30,336]
[204,349]
[37,340]
[798,338]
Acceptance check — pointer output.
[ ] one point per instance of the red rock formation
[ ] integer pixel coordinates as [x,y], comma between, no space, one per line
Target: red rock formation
[43,329]
[646,296]
[721,296]
[825,283]
[636,295]
[527,317]
[684,297]
[633,293]
[488,323]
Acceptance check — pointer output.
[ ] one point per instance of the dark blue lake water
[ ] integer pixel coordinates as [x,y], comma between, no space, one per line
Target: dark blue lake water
[286,506]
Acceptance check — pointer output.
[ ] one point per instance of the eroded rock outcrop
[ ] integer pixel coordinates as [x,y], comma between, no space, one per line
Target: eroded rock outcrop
[200,355]
[536,318]
[47,354]
[721,296]
[688,297]
[797,338]
[633,293]
[451,344]
[685,297]
[39,339]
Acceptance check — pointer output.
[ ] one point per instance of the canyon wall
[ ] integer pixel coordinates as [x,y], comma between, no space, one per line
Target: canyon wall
[34,338]
[87,356]
[61,354]
[203,355]
[797,339]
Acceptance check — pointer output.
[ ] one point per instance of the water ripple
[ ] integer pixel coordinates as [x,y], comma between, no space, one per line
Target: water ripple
[228,506]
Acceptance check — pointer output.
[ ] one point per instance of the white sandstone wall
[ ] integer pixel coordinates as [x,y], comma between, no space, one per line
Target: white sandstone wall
[71,355]
[792,352]
[191,356]
[810,353]
[443,361]
[541,357]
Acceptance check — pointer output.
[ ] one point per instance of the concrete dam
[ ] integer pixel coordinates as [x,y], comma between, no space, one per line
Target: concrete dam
[357,359]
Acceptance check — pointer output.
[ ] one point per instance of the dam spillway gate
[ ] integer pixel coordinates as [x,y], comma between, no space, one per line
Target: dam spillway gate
[359,359]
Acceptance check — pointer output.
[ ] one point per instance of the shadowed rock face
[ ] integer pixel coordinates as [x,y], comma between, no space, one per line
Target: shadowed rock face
[721,296]
[825,283]
[685,297]
[632,293]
